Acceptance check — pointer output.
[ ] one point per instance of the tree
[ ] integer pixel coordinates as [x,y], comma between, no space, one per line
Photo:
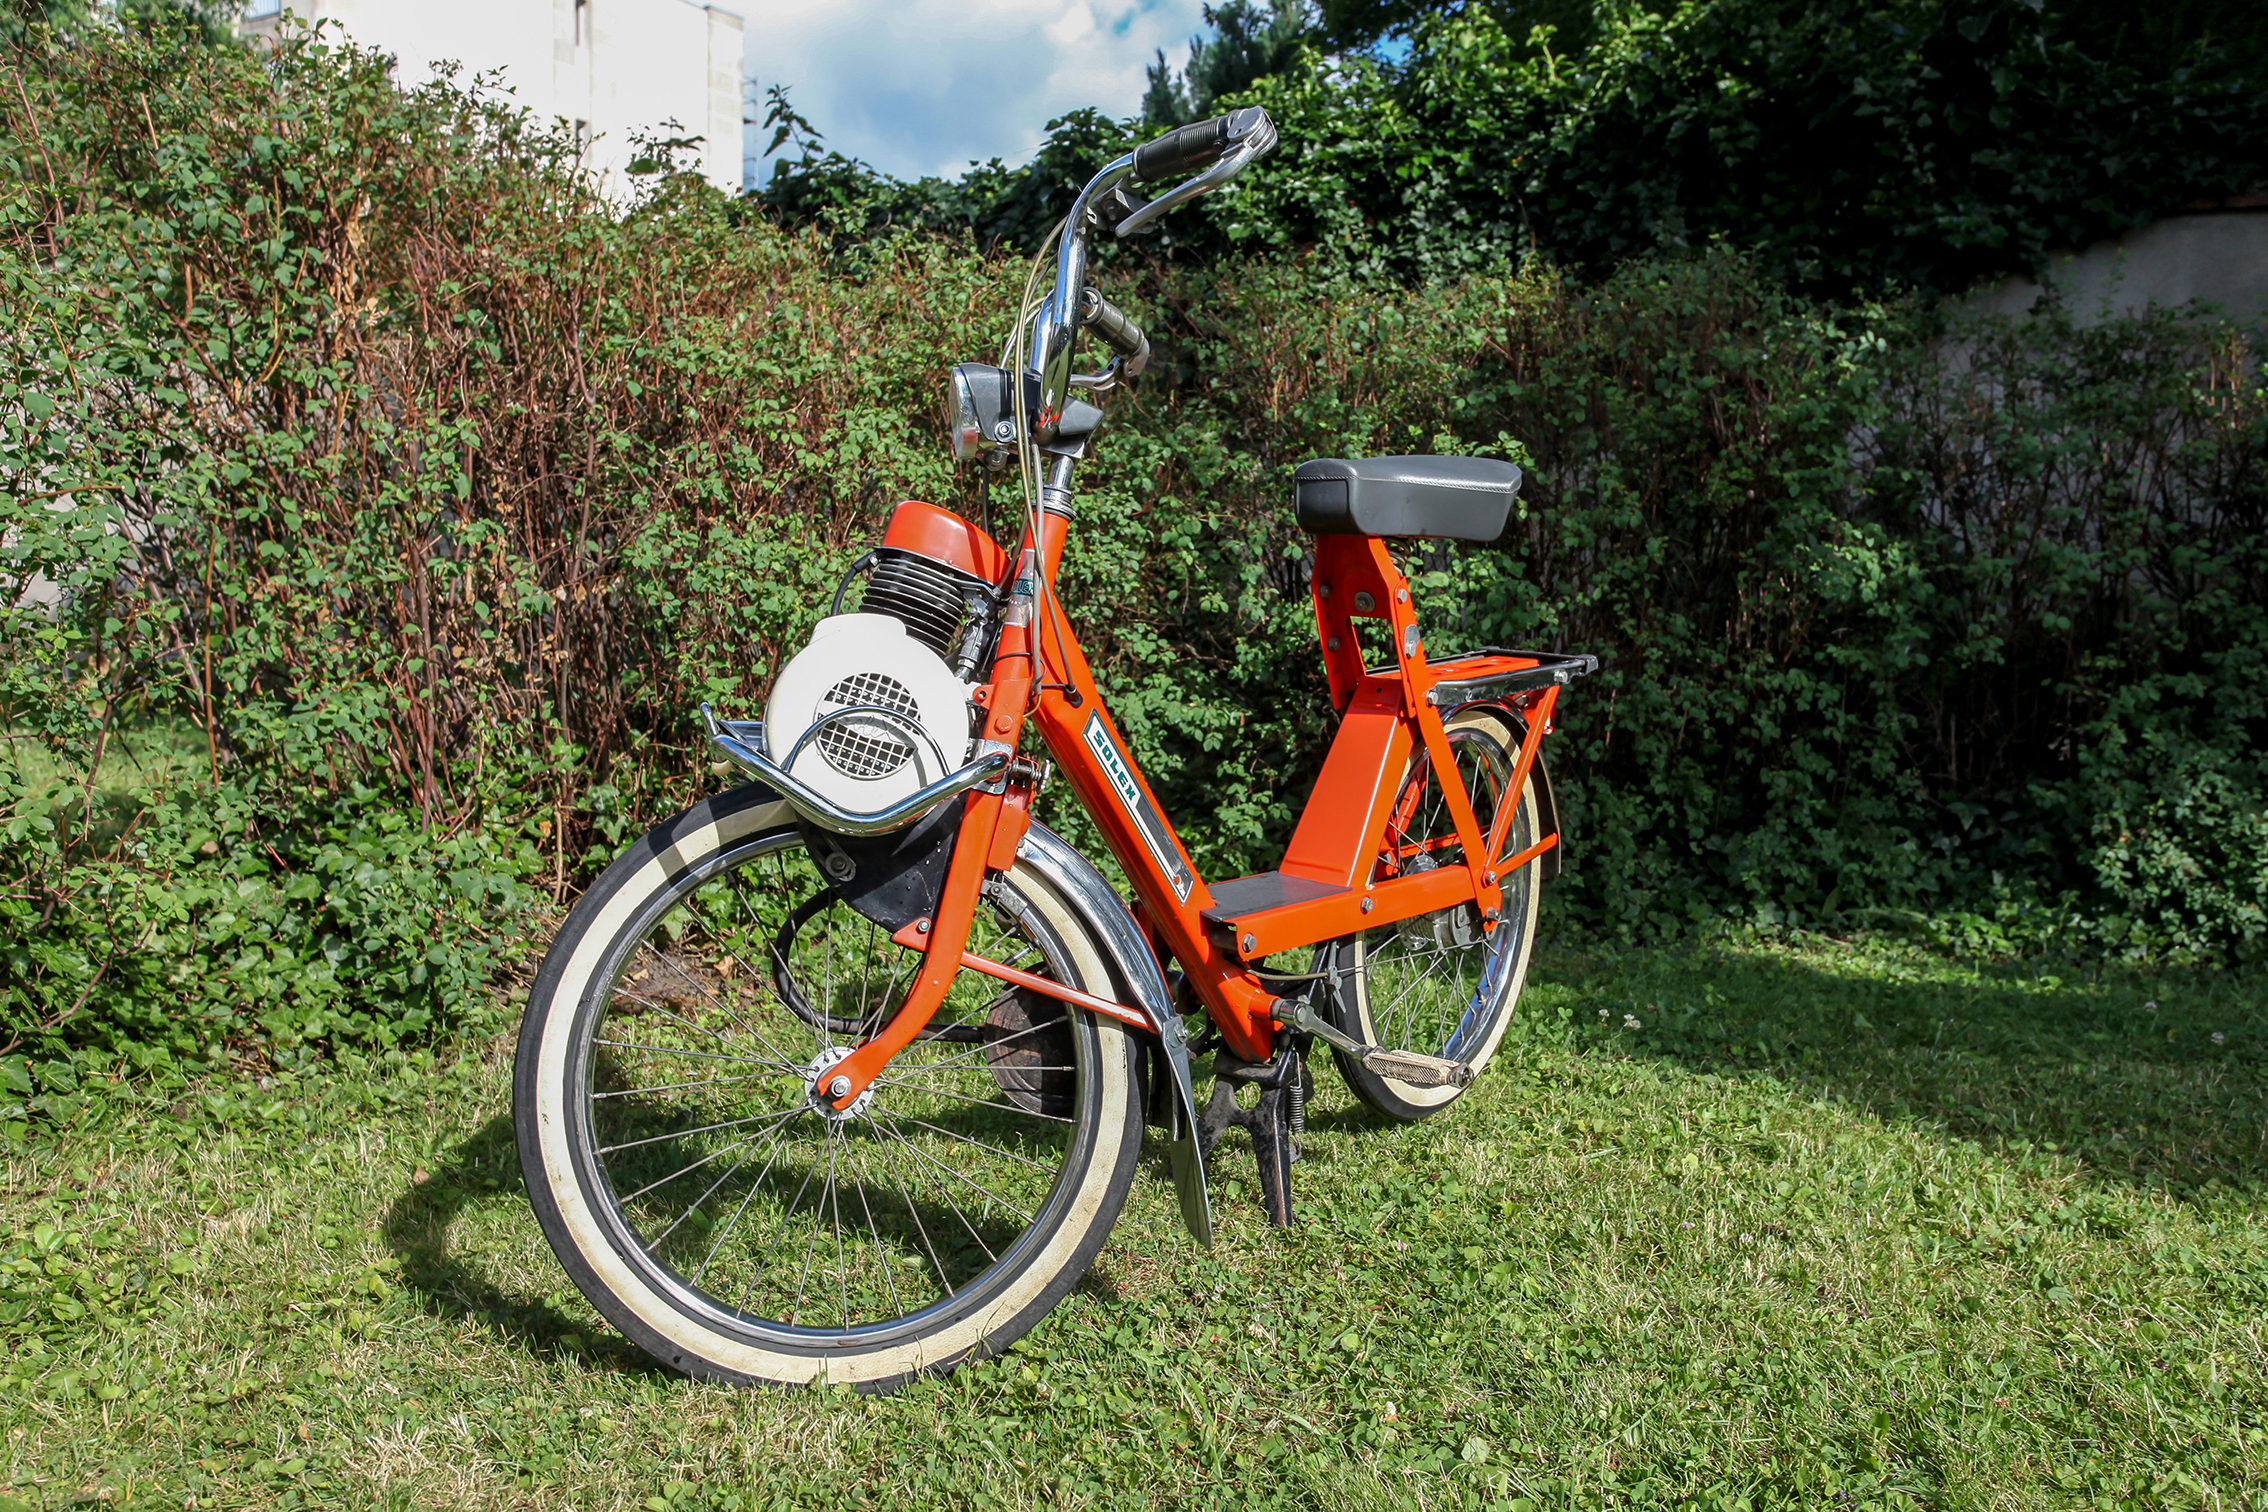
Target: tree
[1248,44]
[1349,24]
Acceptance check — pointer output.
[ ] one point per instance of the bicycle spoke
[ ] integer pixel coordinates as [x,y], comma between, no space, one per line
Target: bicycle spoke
[746,1060]
[663,1010]
[827,993]
[835,1146]
[962,1175]
[775,1115]
[695,1166]
[962,1055]
[734,1221]
[722,1081]
[923,1155]
[704,1197]
[765,1264]
[754,1033]
[811,1245]
[980,1102]
[881,1255]
[697,986]
[1403,995]
[964,1139]
[915,1214]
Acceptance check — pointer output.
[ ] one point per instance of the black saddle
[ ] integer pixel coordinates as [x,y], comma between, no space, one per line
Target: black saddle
[1463,498]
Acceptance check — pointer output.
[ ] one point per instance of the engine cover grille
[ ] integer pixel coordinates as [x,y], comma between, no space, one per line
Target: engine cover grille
[867,748]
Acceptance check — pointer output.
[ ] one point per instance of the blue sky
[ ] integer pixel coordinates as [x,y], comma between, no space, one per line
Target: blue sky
[928,86]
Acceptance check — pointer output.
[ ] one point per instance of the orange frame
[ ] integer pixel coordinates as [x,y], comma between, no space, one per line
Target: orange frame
[1385,712]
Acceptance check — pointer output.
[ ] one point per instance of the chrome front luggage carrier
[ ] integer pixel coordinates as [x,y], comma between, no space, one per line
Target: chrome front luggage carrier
[741,741]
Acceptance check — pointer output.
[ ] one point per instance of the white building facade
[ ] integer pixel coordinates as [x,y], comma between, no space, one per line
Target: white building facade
[609,68]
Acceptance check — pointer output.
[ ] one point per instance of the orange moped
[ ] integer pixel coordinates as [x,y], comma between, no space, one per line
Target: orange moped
[842,1075]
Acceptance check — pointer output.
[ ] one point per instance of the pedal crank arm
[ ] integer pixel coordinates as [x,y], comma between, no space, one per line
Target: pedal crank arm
[1295,1014]
[1395,1065]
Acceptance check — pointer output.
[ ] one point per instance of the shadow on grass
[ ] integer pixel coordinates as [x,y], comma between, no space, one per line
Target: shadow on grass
[476,1172]
[2152,1078]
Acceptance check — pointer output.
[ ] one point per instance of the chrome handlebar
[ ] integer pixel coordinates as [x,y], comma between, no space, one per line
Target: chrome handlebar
[1246,136]
[1240,138]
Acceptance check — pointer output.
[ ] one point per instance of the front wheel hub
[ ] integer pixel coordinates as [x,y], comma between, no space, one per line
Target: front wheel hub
[820,1095]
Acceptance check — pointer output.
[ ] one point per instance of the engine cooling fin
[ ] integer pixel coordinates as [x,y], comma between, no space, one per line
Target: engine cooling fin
[930,599]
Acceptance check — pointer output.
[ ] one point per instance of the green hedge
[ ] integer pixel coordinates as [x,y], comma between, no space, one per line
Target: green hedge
[1853,149]
[412,498]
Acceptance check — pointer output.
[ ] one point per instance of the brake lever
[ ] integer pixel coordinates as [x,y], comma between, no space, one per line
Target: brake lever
[1102,382]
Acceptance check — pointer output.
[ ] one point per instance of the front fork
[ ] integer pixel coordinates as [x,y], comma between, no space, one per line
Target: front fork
[992,824]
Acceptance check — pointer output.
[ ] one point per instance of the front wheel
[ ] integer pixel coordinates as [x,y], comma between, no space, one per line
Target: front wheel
[723,1214]
[1440,984]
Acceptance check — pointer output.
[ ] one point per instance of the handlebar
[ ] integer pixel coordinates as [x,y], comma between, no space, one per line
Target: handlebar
[1118,333]
[1195,145]
[1228,143]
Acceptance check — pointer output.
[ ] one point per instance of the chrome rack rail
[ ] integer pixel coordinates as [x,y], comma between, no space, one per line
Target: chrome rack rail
[1552,669]
[742,742]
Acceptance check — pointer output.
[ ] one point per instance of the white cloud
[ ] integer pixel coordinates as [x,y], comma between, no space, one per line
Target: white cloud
[928,86]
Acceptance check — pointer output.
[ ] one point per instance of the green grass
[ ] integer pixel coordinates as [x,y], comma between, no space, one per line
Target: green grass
[1832,1227]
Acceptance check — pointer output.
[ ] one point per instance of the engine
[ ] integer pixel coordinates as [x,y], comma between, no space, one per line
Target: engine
[885,686]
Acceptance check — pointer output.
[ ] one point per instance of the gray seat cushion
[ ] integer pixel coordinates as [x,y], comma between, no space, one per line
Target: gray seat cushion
[1463,498]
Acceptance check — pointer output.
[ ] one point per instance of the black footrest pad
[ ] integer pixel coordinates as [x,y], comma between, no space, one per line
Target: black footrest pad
[1239,896]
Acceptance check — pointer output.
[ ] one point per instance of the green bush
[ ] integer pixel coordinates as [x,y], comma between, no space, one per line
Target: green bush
[417,497]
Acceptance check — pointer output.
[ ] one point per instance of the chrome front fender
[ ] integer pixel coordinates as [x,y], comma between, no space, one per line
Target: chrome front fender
[1113,929]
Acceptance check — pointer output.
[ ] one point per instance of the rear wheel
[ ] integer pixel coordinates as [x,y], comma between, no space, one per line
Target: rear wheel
[1440,984]
[727,1219]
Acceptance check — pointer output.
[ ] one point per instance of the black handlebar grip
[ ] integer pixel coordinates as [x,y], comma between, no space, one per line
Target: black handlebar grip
[1118,333]
[1185,147]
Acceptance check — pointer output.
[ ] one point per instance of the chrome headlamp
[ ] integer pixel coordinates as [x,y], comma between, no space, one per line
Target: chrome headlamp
[980,411]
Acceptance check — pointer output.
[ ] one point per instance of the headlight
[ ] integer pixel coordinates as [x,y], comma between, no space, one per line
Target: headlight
[980,410]
[968,429]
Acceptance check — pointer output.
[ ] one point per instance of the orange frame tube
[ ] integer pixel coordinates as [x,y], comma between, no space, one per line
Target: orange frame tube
[1041,676]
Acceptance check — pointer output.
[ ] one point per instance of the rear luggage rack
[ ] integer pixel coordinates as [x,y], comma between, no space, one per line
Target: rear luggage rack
[1552,669]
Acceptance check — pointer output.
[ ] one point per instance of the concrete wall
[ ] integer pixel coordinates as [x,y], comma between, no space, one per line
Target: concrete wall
[2218,255]
[618,66]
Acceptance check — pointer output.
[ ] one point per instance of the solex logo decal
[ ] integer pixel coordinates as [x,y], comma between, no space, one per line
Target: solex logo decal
[1121,775]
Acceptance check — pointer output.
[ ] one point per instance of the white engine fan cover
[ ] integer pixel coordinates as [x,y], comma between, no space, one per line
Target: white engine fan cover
[867,763]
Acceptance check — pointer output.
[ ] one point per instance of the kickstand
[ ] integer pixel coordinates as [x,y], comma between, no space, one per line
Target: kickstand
[1275,1122]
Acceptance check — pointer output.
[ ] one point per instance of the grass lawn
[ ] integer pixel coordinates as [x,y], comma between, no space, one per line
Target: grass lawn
[1765,1224]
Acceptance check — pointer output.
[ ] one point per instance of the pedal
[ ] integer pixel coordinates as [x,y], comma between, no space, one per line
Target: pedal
[1415,1069]
[1395,1065]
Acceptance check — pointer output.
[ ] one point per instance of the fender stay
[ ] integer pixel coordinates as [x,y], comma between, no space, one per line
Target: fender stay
[1547,808]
